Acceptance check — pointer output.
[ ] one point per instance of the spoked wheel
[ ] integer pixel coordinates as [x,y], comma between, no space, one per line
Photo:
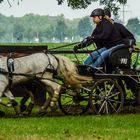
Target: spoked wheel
[74,103]
[107,97]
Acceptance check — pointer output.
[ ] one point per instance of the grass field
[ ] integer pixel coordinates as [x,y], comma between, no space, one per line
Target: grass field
[115,127]
[61,127]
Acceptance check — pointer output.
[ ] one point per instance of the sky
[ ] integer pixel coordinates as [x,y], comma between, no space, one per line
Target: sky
[50,7]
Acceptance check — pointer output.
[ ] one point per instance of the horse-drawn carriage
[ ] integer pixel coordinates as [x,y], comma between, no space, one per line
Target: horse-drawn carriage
[108,92]
[105,94]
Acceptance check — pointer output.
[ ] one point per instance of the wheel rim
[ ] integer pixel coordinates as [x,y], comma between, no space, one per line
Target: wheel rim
[107,97]
[74,104]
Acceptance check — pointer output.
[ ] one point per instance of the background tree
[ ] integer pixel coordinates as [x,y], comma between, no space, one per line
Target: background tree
[50,28]
[60,30]
[133,25]
[18,32]
[85,27]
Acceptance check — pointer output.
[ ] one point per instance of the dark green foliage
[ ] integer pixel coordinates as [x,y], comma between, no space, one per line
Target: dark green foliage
[79,4]
[113,5]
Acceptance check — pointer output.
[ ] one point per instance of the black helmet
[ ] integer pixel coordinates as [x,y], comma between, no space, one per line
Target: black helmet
[97,12]
[107,12]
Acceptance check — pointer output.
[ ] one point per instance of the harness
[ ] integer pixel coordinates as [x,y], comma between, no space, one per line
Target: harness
[10,67]
[50,68]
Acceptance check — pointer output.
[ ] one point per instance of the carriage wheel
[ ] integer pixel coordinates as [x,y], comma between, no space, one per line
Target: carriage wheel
[74,103]
[107,97]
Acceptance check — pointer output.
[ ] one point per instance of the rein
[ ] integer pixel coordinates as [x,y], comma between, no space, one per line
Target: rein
[63,46]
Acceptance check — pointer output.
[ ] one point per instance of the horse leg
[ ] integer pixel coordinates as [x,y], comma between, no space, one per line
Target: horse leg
[43,108]
[31,104]
[13,102]
[53,89]
[23,101]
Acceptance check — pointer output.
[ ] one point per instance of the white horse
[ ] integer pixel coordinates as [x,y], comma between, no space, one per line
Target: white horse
[38,64]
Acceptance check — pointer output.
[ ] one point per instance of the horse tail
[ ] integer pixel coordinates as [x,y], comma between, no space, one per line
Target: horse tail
[69,70]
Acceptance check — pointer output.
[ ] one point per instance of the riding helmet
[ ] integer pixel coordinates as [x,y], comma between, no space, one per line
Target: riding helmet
[97,12]
[107,12]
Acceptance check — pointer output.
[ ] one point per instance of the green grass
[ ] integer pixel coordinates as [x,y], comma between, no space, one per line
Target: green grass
[115,127]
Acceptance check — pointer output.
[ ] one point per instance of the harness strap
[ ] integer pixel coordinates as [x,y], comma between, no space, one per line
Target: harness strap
[10,67]
[51,71]
[50,67]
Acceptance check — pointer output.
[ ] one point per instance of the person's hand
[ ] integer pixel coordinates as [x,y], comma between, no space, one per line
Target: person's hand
[78,46]
[88,40]
[75,48]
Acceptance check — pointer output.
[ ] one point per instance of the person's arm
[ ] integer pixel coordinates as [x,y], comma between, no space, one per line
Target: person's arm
[125,33]
[84,43]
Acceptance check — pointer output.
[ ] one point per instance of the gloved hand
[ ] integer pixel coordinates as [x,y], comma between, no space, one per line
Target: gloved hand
[87,41]
[77,46]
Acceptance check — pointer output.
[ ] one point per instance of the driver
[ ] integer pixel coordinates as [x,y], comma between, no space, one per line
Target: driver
[105,36]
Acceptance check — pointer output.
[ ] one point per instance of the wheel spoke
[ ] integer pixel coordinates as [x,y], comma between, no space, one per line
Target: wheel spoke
[101,91]
[114,95]
[110,89]
[101,106]
[69,107]
[106,107]
[98,102]
[114,101]
[67,96]
[67,102]
[112,106]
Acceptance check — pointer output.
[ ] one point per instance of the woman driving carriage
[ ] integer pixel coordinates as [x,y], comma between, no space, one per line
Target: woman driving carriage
[105,36]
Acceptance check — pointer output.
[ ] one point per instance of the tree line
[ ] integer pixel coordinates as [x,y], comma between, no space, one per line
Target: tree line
[31,28]
[36,28]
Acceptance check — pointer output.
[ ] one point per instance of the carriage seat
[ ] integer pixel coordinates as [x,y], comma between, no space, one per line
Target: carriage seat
[121,56]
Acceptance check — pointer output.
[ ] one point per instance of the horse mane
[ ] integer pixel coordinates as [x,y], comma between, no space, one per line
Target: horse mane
[70,72]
